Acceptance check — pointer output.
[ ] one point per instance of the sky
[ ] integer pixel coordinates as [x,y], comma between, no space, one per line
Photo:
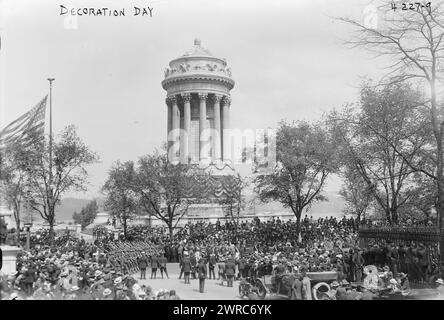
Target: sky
[287,57]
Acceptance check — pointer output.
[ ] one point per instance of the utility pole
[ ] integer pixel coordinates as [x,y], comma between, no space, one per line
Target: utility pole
[51,195]
[50,130]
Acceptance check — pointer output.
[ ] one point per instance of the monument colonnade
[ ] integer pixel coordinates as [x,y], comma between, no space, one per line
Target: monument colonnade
[179,106]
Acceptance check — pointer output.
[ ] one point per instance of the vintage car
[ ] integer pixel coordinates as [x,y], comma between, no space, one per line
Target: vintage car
[267,284]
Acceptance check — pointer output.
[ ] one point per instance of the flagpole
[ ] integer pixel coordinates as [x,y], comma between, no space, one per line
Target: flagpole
[50,130]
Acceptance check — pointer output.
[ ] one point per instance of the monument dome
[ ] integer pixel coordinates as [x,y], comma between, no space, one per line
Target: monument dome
[184,73]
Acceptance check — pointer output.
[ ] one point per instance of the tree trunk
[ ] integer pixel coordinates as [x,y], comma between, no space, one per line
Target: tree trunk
[388,215]
[171,229]
[124,228]
[17,231]
[17,221]
[358,221]
[440,215]
[51,231]
[298,223]
[394,215]
[437,132]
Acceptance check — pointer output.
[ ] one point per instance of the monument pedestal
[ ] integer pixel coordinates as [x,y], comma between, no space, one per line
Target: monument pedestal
[209,212]
[9,259]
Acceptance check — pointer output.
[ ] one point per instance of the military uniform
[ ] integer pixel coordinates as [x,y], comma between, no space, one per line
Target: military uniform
[230,270]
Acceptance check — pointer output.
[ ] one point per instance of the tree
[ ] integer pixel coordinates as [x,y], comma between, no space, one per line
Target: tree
[356,193]
[48,179]
[13,170]
[233,200]
[87,214]
[121,200]
[305,157]
[423,202]
[163,188]
[387,120]
[414,41]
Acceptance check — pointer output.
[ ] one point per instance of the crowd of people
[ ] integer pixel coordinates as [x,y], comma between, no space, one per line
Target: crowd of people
[71,268]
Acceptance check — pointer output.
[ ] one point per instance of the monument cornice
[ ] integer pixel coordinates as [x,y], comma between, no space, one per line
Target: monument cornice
[196,58]
[197,77]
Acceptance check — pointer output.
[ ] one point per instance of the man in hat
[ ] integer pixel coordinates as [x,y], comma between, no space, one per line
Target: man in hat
[211,265]
[341,291]
[163,265]
[173,295]
[358,264]
[333,290]
[221,269]
[186,267]
[230,271]
[154,265]
[107,294]
[352,293]
[30,277]
[279,274]
[241,267]
[296,288]
[143,264]
[423,261]
[193,261]
[392,258]
[339,268]
[202,273]
[306,285]
[102,260]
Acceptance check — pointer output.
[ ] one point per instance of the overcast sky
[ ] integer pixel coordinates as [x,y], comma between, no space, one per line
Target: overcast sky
[287,58]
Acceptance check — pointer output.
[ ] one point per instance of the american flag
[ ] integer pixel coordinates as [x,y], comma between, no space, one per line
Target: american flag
[26,129]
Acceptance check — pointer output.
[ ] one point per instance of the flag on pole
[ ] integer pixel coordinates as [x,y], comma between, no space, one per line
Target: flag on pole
[27,129]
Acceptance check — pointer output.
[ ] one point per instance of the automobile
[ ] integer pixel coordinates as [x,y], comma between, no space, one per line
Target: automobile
[267,284]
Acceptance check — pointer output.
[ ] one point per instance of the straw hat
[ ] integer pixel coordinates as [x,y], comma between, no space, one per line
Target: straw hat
[117,280]
[440,281]
[13,296]
[107,292]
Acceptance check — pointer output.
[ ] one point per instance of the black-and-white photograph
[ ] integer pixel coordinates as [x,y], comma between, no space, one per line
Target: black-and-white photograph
[221,150]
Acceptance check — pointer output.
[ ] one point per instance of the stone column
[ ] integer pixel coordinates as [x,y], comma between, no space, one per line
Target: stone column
[202,125]
[185,156]
[217,155]
[175,113]
[226,150]
[169,120]
[175,122]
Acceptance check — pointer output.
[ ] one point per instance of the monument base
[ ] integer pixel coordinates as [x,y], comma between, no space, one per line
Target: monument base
[9,254]
[209,212]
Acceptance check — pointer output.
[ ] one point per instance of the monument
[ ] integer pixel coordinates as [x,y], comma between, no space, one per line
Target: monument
[9,250]
[198,101]
[198,88]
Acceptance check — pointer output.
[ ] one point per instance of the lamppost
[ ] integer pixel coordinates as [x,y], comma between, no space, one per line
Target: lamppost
[28,235]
